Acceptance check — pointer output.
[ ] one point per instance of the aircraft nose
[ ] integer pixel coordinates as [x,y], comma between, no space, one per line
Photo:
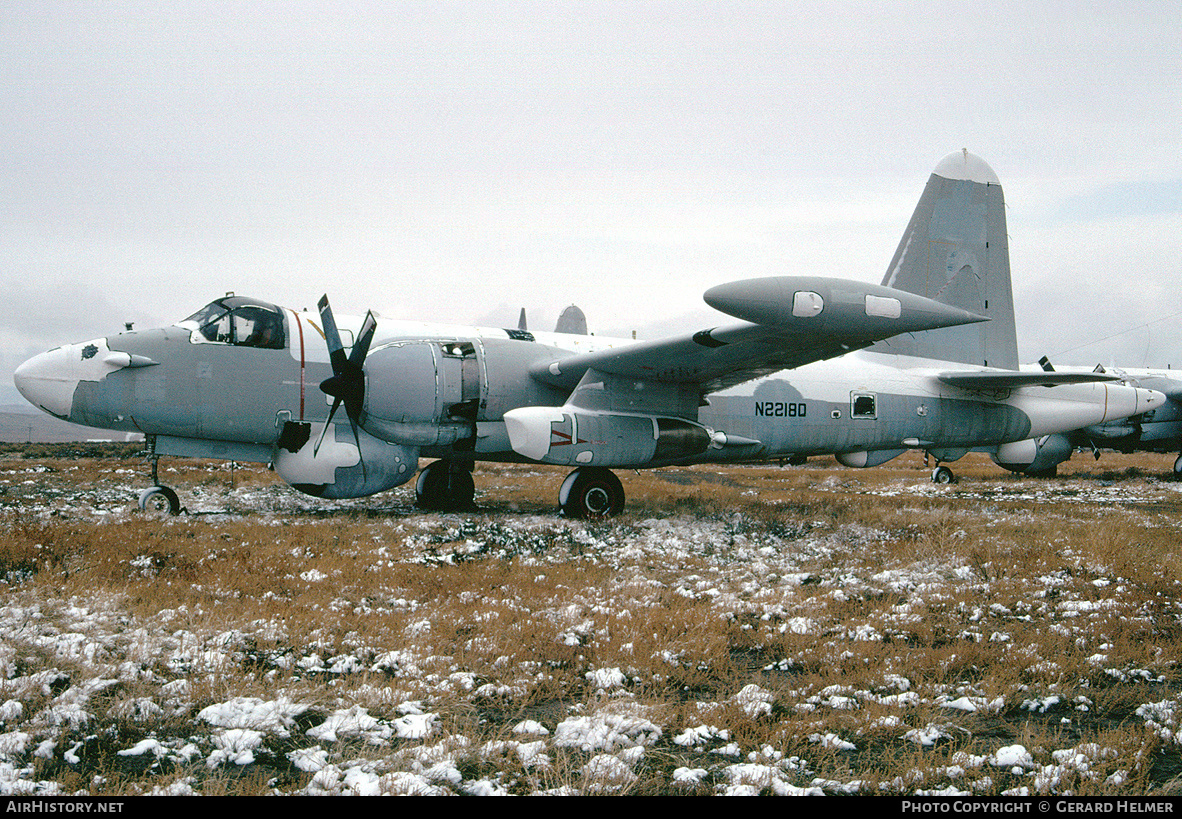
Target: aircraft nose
[48,381]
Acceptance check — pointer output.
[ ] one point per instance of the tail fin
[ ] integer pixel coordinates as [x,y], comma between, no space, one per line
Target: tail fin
[572,321]
[956,251]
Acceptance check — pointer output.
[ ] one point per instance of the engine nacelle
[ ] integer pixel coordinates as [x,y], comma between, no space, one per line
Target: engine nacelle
[1034,456]
[862,458]
[574,436]
[421,393]
[340,470]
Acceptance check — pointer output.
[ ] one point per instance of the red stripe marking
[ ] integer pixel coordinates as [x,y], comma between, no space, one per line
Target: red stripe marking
[300,324]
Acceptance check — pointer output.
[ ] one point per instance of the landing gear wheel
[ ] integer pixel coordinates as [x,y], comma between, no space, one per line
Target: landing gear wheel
[1178,466]
[442,488]
[160,500]
[591,493]
[942,474]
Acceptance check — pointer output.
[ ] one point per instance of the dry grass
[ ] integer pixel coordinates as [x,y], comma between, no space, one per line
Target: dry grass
[769,629]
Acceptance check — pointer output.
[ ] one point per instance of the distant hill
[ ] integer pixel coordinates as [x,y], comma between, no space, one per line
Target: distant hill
[22,423]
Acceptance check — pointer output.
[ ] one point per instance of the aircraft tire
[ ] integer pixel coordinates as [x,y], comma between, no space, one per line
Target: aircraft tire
[942,474]
[1178,466]
[440,488]
[160,499]
[463,490]
[591,493]
[1049,472]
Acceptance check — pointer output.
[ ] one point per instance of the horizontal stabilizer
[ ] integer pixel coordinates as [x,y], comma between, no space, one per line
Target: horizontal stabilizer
[1003,379]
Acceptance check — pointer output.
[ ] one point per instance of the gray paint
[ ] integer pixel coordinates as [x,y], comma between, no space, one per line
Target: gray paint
[632,405]
[202,390]
[956,251]
[716,358]
[951,422]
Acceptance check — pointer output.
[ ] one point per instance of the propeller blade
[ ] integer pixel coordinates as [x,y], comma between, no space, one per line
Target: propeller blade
[364,339]
[327,424]
[357,439]
[332,336]
[347,383]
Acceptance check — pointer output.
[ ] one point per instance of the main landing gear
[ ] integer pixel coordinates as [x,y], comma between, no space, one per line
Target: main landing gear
[942,474]
[589,492]
[445,486]
[157,499]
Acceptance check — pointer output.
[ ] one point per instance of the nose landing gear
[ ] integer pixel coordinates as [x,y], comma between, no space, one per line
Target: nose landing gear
[160,500]
[157,499]
[941,474]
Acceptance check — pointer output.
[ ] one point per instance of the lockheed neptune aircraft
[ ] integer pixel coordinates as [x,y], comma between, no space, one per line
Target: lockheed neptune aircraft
[936,370]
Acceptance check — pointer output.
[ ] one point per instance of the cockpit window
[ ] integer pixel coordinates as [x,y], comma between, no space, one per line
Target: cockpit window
[207,313]
[218,329]
[241,322]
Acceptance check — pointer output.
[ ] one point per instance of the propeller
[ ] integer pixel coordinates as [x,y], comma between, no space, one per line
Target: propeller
[347,383]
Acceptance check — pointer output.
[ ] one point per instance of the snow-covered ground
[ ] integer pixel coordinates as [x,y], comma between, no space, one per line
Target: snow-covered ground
[774,647]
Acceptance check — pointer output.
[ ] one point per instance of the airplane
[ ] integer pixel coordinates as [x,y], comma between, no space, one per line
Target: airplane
[1158,430]
[924,361]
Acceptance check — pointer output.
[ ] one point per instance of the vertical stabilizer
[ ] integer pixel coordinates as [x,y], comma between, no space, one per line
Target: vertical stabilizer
[572,321]
[955,251]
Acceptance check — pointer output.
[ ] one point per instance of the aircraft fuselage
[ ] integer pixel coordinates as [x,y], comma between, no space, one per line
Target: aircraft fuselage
[443,391]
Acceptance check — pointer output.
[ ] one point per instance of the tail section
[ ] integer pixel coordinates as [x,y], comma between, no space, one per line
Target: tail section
[572,321]
[955,251]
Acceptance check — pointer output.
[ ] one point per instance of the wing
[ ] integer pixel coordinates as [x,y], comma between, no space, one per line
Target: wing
[788,321]
[1006,379]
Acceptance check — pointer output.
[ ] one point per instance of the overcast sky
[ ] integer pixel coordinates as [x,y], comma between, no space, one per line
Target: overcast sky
[460,160]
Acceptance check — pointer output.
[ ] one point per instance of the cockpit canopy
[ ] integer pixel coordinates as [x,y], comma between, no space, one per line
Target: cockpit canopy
[240,321]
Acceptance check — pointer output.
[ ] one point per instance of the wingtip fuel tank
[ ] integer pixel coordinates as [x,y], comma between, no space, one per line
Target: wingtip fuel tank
[840,306]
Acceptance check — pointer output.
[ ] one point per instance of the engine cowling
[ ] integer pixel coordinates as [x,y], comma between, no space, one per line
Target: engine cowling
[1034,456]
[339,469]
[421,393]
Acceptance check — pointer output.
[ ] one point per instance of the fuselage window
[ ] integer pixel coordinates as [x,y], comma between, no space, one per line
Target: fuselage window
[863,405]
